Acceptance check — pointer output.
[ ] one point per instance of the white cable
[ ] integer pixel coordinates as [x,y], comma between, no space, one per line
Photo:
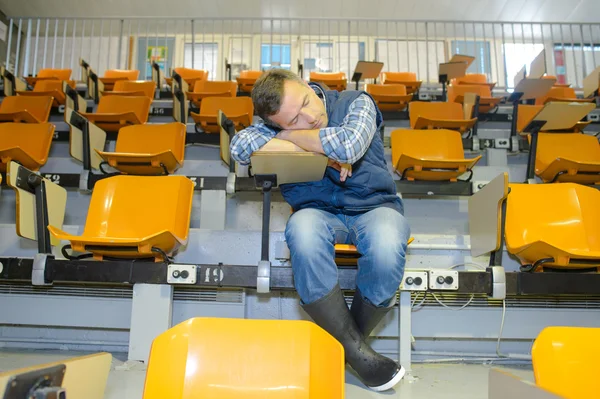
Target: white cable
[501,329]
[452,308]
[420,303]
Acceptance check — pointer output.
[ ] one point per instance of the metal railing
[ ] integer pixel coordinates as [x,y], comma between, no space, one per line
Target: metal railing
[572,50]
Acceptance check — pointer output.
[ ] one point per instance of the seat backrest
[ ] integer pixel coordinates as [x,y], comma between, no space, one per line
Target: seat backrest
[243,358]
[552,213]
[574,146]
[250,74]
[426,144]
[37,106]
[140,206]
[392,89]
[461,90]
[231,106]
[151,139]
[33,138]
[472,78]
[216,86]
[59,74]
[140,105]
[434,110]
[526,114]
[48,85]
[399,76]
[129,74]
[187,73]
[130,85]
[565,361]
[327,75]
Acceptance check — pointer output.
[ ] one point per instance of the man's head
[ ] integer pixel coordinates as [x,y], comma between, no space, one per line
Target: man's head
[284,100]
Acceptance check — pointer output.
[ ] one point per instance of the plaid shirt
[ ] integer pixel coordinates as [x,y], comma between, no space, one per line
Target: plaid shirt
[346,143]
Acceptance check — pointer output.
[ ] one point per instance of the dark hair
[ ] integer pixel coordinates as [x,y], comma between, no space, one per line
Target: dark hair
[268,91]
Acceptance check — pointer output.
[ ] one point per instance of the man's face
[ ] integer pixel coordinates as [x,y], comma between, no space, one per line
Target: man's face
[301,109]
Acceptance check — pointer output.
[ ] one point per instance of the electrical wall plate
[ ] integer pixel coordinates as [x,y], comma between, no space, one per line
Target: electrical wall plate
[181,274]
[424,96]
[502,143]
[414,281]
[443,280]
[594,117]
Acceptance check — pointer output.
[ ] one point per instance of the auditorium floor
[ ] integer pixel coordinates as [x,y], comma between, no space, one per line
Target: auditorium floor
[443,381]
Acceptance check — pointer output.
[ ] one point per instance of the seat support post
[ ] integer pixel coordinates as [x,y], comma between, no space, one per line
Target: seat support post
[266,183]
[515,98]
[496,256]
[533,128]
[443,79]
[36,182]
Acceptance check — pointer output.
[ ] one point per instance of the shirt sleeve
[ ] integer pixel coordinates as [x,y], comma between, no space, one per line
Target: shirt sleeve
[251,139]
[348,142]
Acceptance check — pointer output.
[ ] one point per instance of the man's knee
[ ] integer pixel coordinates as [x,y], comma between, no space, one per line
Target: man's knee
[305,228]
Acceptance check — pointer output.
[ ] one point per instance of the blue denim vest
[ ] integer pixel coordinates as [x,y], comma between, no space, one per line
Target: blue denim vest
[371,184]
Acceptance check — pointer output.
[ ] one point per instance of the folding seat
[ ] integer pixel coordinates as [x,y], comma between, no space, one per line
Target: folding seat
[25,143]
[25,109]
[456,93]
[333,80]
[189,75]
[112,76]
[553,225]
[148,149]
[473,79]
[556,79]
[239,110]
[568,157]
[526,113]
[348,255]
[211,88]
[247,79]
[135,217]
[132,88]
[243,358]
[438,115]
[561,94]
[115,112]
[49,74]
[434,155]
[565,361]
[390,97]
[408,79]
[49,88]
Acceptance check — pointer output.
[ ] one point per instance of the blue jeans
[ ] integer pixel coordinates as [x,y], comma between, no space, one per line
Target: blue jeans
[380,235]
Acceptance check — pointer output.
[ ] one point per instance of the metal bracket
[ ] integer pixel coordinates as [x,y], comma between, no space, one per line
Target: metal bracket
[230,185]
[263,279]
[514,144]
[83,180]
[38,271]
[476,146]
[498,282]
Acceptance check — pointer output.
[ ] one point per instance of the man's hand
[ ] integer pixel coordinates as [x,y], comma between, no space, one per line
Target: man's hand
[344,169]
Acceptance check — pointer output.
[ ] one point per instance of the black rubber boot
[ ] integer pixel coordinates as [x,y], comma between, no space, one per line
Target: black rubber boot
[366,315]
[332,314]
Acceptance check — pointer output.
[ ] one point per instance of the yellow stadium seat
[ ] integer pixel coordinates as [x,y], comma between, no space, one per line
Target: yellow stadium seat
[112,76]
[211,88]
[132,88]
[238,109]
[347,254]
[115,112]
[247,79]
[333,80]
[390,97]
[25,109]
[189,75]
[243,358]
[135,217]
[437,115]
[568,157]
[408,79]
[472,79]
[553,225]
[49,88]
[434,155]
[526,113]
[148,149]
[565,361]
[25,143]
[49,74]
[561,94]
[487,103]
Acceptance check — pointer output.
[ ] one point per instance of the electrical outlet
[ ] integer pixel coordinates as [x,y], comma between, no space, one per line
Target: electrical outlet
[181,274]
[424,97]
[502,143]
[414,281]
[443,280]
[594,117]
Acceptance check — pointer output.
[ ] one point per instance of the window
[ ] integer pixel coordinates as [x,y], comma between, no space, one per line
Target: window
[479,50]
[420,57]
[318,57]
[205,57]
[275,56]
[350,53]
[572,64]
[240,55]
[517,55]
